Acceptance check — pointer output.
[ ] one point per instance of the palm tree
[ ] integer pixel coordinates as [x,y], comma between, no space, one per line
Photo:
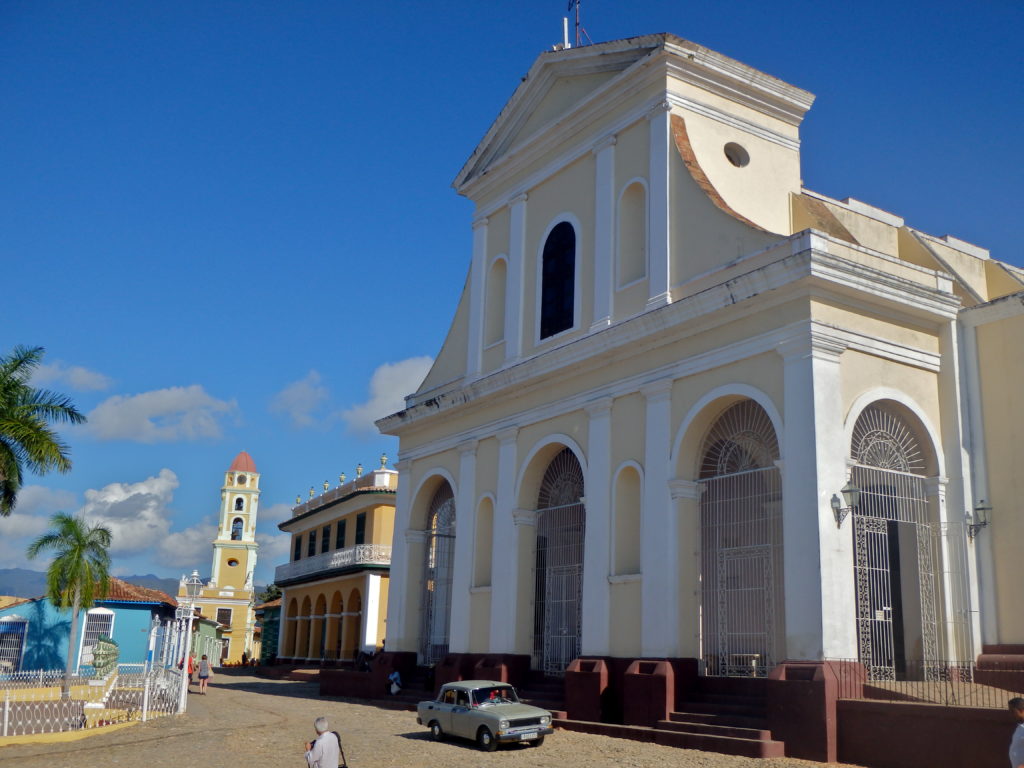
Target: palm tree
[26,439]
[79,573]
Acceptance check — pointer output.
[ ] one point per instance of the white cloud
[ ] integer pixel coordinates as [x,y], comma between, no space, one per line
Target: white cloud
[73,376]
[189,547]
[36,504]
[300,399]
[389,385]
[159,416]
[136,513]
[274,514]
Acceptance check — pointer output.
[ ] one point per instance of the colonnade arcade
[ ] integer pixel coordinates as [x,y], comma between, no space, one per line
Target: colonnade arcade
[327,627]
[696,546]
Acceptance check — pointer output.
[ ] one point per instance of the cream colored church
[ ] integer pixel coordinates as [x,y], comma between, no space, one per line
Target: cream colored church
[669,361]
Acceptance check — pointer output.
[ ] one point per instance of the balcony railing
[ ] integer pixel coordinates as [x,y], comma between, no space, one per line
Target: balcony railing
[361,554]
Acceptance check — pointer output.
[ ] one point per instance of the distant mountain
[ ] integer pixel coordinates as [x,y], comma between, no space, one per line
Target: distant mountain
[21,582]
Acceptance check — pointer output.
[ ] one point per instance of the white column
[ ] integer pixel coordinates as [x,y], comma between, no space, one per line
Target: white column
[514,275]
[477,286]
[604,233]
[371,613]
[817,556]
[983,566]
[465,536]
[659,255]
[400,580]
[594,634]
[658,590]
[686,499]
[505,548]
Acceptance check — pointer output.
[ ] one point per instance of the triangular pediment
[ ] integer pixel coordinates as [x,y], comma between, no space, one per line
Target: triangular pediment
[557,82]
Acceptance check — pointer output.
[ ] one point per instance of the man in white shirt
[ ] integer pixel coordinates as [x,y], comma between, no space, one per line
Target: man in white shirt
[1017,742]
[325,751]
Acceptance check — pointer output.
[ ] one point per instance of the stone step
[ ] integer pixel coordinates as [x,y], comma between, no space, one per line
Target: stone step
[761,734]
[726,745]
[712,718]
[716,708]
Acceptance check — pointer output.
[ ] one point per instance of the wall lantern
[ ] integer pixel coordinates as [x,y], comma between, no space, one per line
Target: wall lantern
[978,519]
[851,497]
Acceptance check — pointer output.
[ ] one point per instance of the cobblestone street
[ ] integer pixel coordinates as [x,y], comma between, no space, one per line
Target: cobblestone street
[252,722]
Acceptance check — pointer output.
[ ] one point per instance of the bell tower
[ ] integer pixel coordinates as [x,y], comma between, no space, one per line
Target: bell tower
[234,549]
[229,595]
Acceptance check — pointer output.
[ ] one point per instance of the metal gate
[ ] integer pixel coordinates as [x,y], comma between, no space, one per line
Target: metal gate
[741,544]
[558,576]
[437,576]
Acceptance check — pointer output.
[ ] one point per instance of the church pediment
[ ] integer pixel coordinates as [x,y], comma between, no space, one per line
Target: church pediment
[557,82]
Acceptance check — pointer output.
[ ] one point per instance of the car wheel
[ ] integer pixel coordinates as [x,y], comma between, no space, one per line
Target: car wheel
[485,739]
[537,742]
[436,732]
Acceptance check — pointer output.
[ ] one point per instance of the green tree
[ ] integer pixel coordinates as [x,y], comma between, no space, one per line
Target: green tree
[26,439]
[79,573]
[268,593]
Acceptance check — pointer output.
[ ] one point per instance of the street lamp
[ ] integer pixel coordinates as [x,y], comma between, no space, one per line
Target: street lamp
[184,613]
[978,519]
[851,496]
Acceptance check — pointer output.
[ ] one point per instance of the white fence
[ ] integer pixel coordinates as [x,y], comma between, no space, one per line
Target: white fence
[35,702]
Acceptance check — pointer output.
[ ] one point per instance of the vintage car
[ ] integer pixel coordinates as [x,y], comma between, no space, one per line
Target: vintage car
[486,711]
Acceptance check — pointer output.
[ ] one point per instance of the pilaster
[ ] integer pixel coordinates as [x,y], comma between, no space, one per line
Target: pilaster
[465,536]
[594,632]
[477,286]
[399,577]
[659,253]
[659,588]
[505,548]
[514,275]
[604,232]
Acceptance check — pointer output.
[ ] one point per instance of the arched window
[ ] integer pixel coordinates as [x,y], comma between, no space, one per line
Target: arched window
[239,504]
[626,551]
[632,251]
[236,530]
[439,564]
[494,323]
[561,519]
[742,608]
[558,281]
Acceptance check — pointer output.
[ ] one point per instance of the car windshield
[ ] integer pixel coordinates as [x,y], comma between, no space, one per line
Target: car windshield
[499,694]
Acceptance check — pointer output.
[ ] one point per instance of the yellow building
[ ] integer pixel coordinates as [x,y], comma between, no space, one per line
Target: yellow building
[335,589]
[228,596]
[669,358]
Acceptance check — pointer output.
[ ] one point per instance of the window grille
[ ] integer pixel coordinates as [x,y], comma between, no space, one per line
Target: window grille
[558,574]
[558,281]
[99,621]
[437,576]
[12,643]
[224,616]
[741,544]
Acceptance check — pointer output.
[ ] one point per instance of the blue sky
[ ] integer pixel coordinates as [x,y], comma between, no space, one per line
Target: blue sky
[231,225]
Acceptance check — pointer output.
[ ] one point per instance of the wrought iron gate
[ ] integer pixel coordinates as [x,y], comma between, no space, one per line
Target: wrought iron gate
[741,544]
[438,564]
[558,576]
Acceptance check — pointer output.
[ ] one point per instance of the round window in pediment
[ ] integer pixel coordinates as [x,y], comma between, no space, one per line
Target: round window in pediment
[737,155]
[232,562]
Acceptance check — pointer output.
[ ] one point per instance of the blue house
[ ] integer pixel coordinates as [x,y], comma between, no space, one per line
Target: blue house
[34,634]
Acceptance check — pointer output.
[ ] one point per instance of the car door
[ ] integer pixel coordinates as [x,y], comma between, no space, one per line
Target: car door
[461,721]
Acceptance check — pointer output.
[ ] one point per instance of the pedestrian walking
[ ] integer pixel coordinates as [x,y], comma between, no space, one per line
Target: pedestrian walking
[1017,742]
[205,673]
[325,752]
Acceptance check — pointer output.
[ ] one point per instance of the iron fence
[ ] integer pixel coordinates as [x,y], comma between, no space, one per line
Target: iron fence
[39,701]
[949,683]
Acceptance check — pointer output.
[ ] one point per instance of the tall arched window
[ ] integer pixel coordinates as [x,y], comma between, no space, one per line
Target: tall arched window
[494,308]
[741,535]
[439,561]
[558,586]
[626,544]
[236,530]
[239,503]
[558,281]
[632,245]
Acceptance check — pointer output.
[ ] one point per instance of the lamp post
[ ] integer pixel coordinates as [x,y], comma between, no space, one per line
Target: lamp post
[193,586]
[978,519]
[851,496]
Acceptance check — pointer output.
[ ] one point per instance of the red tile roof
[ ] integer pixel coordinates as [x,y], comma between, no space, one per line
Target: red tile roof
[124,592]
[243,463]
[271,604]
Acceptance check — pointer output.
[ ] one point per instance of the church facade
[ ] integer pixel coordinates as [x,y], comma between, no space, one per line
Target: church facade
[690,409]
[228,596]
